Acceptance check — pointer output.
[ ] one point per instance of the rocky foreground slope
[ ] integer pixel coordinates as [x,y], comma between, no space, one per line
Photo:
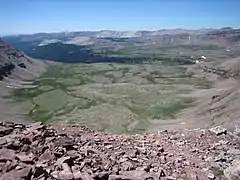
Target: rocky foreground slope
[65,152]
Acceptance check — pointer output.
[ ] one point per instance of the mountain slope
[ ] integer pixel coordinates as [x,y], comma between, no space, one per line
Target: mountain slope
[219,105]
[16,70]
[14,65]
[77,153]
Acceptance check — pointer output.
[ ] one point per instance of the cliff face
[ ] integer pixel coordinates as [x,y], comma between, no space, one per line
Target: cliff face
[10,58]
[14,64]
[6,70]
[232,35]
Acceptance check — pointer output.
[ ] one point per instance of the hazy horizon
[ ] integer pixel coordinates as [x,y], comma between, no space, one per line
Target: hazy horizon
[47,16]
[67,31]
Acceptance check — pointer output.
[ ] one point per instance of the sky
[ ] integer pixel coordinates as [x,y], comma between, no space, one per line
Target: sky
[33,16]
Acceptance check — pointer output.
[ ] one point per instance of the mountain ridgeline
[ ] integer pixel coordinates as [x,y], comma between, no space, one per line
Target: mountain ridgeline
[177,46]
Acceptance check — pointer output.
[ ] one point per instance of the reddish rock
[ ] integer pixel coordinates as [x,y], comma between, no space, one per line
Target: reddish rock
[135,174]
[26,158]
[24,173]
[86,155]
[7,154]
[218,130]
[233,172]
[121,177]
[35,126]
[63,175]
[101,176]
[61,160]
[5,130]
[127,166]
[46,157]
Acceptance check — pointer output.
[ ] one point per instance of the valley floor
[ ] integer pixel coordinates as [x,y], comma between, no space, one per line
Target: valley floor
[123,98]
[119,98]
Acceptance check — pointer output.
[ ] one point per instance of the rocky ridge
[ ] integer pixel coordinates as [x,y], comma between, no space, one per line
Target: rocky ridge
[15,65]
[65,152]
[222,73]
[10,58]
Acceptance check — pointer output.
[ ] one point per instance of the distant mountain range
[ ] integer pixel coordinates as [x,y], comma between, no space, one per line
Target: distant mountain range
[87,36]
[65,46]
[114,33]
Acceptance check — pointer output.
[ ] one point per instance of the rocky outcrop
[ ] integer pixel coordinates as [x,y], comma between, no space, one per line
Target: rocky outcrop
[222,73]
[231,34]
[64,152]
[10,58]
[6,70]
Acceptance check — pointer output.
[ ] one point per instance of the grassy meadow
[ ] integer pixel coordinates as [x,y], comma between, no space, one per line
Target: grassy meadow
[113,97]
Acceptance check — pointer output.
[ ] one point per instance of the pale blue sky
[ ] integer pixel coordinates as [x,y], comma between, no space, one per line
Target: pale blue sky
[31,16]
